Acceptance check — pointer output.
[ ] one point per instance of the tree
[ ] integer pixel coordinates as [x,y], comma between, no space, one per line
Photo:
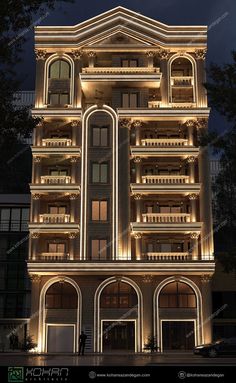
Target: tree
[221,90]
[16,19]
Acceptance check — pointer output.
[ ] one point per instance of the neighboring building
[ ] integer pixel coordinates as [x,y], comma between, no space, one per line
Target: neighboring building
[14,281]
[121,228]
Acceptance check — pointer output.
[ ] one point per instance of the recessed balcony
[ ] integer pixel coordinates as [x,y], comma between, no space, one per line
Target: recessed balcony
[54,218]
[166,217]
[55,180]
[164,142]
[165,179]
[171,257]
[56,142]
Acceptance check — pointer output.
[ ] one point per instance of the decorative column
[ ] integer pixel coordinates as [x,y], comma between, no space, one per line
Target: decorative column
[77,55]
[35,207]
[39,86]
[74,178]
[37,170]
[34,318]
[138,199]
[137,161]
[72,237]
[75,125]
[150,56]
[164,55]
[194,245]
[137,125]
[191,161]
[91,56]
[34,245]
[138,246]
[190,127]
[200,55]
[193,207]
[206,308]
[74,210]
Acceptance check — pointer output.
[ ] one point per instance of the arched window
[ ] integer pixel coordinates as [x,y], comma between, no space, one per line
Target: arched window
[118,295]
[59,83]
[61,295]
[177,295]
[182,81]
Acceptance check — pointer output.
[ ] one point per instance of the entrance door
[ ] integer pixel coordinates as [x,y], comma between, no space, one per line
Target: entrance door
[178,335]
[60,339]
[118,336]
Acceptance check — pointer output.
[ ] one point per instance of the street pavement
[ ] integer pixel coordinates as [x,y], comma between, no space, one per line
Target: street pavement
[14,359]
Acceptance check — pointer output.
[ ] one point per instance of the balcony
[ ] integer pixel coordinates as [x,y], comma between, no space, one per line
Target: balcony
[51,257]
[167,179]
[180,151]
[164,142]
[55,180]
[171,257]
[167,226]
[165,217]
[182,81]
[54,218]
[56,142]
[149,188]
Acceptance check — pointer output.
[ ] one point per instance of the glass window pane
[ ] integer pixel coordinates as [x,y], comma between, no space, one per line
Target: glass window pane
[95,210]
[64,99]
[125,63]
[103,249]
[165,247]
[184,288]
[5,214]
[54,99]
[103,210]
[191,301]
[164,209]
[25,214]
[96,136]
[65,70]
[104,137]
[133,63]
[95,248]
[15,214]
[61,248]
[103,173]
[183,301]
[125,100]
[52,247]
[172,301]
[61,210]
[95,172]
[133,100]
[54,69]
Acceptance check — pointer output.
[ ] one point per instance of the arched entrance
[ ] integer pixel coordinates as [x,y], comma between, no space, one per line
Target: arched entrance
[118,323]
[178,314]
[60,312]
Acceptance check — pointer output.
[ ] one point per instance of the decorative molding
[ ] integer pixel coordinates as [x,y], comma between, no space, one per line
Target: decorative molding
[150,54]
[37,159]
[137,124]
[205,278]
[35,235]
[147,278]
[137,160]
[194,235]
[193,196]
[191,159]
[74,159]
[74,196]
[137,235]
[163,54]
[77,54]
[137,197]
[40,54]
[200,54]
[125,123]
[36,196]
[73,235]
[198,123]
[91,54]
[35,278]
[75,123]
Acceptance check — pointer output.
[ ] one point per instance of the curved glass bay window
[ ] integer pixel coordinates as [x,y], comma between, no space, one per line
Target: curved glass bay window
[177,295]
[59,83]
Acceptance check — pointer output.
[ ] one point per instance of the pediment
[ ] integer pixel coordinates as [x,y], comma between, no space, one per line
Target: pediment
[119,38]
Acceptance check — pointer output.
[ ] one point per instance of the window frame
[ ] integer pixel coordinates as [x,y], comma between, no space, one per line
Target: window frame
[99,210]
[107,175]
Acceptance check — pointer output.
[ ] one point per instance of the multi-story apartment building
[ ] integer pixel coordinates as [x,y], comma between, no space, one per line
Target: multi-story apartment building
[121,230]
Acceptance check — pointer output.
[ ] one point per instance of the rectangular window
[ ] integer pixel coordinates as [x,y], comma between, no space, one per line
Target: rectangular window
[99,173]
[57,248]
[99,249]
[57,209]
[129,63]
[129,100]
[99,210]
[58,98]
[100,136]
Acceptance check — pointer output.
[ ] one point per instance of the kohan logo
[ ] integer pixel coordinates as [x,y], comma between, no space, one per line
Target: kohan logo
[44,372]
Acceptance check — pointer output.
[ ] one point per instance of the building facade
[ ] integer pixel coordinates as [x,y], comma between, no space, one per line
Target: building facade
[121,242]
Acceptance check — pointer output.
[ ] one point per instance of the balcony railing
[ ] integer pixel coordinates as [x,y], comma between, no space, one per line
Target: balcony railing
[182,81]
[166,217]
[55,179]
[164,142]
[166,256]
[120,70]
[56,142]
[54,218]
[53,257]
[168,179]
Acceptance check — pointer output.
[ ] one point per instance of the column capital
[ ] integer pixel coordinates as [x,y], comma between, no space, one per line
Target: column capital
[75,123]
[137,160]
[150,53]
[35,235]
[137,197]
[163,54]
[191,159]
[40,54]
[200,54]
[37,159]
[36,278]
[72,235]
[36,196]
[91,54]
[194,235]
[205,278]
[147,278]
[125,123]
[74,196]
[77,54]
[193,197]
[137,123]
[197,123]
[137,235]
[74,159]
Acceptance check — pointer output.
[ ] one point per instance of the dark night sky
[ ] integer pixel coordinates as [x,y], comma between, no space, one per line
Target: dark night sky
[219,15]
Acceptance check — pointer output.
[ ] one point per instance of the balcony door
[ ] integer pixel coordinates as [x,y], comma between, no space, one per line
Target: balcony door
[130,100]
